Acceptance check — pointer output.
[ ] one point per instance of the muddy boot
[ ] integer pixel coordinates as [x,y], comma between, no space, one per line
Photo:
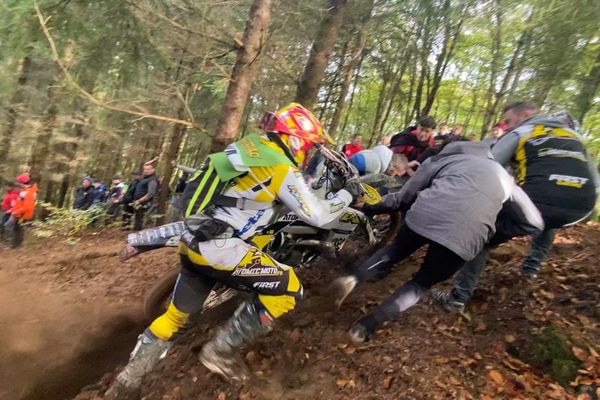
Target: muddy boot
[220,355]
[146,354]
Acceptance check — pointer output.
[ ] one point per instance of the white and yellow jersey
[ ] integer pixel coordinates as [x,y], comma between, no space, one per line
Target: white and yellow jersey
[279,183]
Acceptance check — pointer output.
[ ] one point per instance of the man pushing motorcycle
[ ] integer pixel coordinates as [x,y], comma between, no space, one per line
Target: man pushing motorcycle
[233,198]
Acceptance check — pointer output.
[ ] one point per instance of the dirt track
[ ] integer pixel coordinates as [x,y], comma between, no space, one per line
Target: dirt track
[71,313]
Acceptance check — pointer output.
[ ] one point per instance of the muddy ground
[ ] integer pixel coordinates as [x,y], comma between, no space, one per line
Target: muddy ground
[69,315]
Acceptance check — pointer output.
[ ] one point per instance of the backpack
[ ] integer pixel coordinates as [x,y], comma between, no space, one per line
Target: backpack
[201,188]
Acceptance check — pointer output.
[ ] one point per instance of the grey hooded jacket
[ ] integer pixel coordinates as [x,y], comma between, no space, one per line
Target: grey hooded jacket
[455,197]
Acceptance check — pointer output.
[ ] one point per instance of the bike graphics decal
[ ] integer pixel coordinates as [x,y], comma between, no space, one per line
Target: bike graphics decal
[294,192]
[350,218]
[257,263]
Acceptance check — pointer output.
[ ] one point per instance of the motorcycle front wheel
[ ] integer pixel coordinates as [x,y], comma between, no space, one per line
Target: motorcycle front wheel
[160,295]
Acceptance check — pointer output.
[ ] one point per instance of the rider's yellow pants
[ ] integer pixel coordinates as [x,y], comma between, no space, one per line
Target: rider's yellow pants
[234,263]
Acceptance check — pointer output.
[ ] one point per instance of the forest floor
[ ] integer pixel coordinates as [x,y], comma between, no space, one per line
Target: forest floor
[70,314]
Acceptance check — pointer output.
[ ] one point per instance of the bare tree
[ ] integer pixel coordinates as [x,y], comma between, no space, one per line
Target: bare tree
[322,47]
[242,74]
[13,109]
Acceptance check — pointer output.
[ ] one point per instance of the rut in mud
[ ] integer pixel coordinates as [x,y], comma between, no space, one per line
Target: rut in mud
[69,315]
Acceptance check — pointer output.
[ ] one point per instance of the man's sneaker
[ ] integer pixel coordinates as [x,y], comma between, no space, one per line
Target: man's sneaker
[343,287]
[359,333]
[445,299]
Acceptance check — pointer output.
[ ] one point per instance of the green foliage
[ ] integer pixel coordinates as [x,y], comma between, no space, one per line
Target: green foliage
[66,223]
[174,59]
[552,353]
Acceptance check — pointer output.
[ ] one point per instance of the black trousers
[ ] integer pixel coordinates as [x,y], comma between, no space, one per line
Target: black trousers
[439,265]
[127,214]
[16,232]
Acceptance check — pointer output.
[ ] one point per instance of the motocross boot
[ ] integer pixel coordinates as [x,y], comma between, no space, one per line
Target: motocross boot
[146,354]
[220,354]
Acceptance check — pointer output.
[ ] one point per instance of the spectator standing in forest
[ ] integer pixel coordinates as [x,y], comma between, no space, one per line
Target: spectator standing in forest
[84,195]
[144,196]
[115,197]
[498,130]
[414,141]
[443,131]
[23,209]
[353,147]
[100,193]
[385,140]
[128,198]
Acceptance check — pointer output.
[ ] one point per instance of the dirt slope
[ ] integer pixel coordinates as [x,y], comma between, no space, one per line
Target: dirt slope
[426,354]
[68,314]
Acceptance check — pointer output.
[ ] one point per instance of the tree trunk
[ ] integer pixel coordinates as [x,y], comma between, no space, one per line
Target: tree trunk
[450,40]
[170,160]
[392,96]
[41,147]
[333,83]
[354,86]
[13,111]
[355,61]
[497,42]
[419,93]
[242,74]
[378,111]
[588,88]
[345,86]
[308,87]
[408,115]
[510,71]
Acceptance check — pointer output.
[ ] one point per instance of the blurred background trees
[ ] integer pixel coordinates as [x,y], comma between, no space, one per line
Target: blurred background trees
[371,67]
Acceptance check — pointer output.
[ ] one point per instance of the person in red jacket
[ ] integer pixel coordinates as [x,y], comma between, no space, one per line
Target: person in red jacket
[23,208]
[353,147]
[415,142]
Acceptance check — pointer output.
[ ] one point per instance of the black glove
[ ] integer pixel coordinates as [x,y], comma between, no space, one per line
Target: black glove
[205,228]
[354,187]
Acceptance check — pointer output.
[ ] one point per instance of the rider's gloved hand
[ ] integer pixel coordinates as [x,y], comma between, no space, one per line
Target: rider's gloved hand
[354,187]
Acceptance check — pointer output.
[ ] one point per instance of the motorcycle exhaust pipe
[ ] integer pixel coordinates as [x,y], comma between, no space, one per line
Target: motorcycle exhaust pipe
[326,249]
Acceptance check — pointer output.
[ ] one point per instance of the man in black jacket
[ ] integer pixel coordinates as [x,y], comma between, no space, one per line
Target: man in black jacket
[84,195]
[144,196]
[128,198]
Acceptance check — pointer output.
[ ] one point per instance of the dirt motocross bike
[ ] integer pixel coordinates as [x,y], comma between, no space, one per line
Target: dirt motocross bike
[286,238]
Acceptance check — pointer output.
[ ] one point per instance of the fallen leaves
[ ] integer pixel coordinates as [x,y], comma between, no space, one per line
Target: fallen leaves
[345,383]
[496,377]
[387,382]
[510,338]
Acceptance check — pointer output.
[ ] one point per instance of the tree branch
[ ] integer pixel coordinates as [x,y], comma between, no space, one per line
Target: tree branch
[90,97]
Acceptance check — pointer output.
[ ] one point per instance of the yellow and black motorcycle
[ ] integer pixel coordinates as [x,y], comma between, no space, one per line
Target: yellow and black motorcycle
[286,238]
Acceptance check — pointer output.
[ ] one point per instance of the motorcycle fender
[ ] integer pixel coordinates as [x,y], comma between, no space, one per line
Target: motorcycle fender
[371,195]
[261,241]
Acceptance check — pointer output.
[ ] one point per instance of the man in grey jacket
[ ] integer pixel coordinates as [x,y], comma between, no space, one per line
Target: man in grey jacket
[550,163]
[460,190]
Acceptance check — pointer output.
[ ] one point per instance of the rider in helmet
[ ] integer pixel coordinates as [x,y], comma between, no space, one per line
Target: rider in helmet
[263,170]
